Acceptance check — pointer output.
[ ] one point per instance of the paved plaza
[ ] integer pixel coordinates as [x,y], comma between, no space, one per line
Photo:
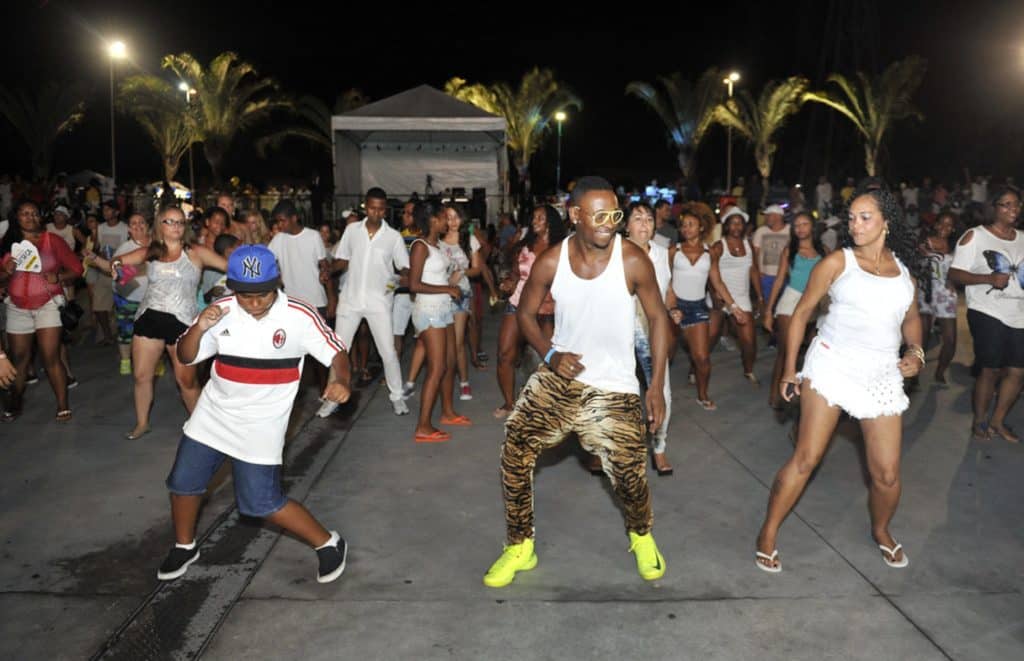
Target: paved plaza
[84,523]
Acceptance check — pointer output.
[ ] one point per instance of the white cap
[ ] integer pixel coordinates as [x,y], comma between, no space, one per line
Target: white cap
[735,211]
[62,209]
[774,208]
[346,213]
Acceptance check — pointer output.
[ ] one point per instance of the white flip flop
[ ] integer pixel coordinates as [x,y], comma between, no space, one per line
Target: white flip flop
[891,553]
[770,558]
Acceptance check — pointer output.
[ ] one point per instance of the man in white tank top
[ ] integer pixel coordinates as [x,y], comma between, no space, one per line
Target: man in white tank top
[588,383]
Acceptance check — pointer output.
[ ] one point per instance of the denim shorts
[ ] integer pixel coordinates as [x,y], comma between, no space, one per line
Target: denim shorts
[464,304]
[257,486]
[694,312]
[432,315]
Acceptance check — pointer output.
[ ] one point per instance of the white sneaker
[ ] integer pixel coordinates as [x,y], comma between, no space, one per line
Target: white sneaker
[327,408]
[400,407]
[726,344]
[465,393]
[408,390]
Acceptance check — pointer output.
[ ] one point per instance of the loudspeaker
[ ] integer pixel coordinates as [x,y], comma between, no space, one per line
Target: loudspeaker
[478,205]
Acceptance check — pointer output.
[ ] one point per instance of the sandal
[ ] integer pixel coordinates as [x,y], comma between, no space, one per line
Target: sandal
[133,435]
[750,376]
[891,553]
[981,432]
[436,436]
[771,567]
[707,404]
[456,420]
[1005,432]
[501,412]
[64,415]
[10,415]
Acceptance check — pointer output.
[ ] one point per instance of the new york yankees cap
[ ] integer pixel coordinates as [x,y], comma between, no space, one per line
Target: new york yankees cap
[253,269]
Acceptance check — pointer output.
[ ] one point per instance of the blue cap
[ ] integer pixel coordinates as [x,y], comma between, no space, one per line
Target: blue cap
[253,269]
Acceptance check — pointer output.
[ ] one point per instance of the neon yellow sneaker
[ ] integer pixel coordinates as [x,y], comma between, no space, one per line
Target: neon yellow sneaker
[649,561]
[516,557]
[126,367]
[160,367]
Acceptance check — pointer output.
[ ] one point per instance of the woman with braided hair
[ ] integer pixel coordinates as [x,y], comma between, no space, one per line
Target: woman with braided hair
[853,364]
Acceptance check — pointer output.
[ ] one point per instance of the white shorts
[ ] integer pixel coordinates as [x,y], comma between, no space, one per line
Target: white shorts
[787,302]
[432,315]
[401,313]
[864,383]
[25,322]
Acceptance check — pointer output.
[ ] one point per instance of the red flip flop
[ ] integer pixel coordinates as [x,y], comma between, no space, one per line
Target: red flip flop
[433,437]
[459,421]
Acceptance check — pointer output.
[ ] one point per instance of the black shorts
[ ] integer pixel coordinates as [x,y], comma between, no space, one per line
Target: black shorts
[159,326]
[996,345]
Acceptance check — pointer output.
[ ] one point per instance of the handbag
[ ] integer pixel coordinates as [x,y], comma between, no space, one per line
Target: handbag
[70,314]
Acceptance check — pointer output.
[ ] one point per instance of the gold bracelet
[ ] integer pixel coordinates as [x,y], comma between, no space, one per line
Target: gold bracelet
[917,352]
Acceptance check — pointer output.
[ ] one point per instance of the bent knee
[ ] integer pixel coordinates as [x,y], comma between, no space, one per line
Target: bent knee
[887,478]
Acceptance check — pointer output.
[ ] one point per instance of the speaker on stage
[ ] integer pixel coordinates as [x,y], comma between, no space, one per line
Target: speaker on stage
[478,205]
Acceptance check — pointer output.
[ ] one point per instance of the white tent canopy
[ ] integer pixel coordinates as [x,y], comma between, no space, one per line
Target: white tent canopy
[402,142]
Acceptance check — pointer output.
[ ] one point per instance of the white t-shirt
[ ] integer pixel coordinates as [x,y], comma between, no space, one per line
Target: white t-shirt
[459,259]
[372,263]
[135,288]
[109,238]
[244,408]
[1006,305]
[770,245]
[67,233]
[299,256]
[979,191]
[910,197]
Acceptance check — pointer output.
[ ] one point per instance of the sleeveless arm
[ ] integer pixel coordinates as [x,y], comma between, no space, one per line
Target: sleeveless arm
[822,276]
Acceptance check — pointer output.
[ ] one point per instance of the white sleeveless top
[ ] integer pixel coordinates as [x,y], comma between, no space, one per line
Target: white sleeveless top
[435,272]
[690,281]
[662,271]
[595,318]
[867,310]
[736,272]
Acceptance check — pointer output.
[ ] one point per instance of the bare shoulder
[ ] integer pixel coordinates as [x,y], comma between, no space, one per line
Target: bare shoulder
[716,249]
[834,262]
[966,238]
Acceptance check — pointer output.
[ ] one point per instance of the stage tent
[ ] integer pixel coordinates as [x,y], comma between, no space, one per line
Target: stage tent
[423,141]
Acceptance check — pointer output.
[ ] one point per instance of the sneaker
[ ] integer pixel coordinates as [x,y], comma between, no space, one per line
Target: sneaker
[332,559]
[177,562]
[726,344]
[399,406]
[72,382]
[466,393]
[408,390]
[32,379]
[649,561]
[125,367]
[161,367]
[516,557]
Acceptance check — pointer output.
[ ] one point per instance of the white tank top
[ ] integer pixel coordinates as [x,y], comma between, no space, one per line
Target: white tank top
[595,319]
[662,270]
[690,281]
[867,310]
[736,270]
[435,272]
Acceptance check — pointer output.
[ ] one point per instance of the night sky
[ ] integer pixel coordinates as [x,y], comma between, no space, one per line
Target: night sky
[973,95]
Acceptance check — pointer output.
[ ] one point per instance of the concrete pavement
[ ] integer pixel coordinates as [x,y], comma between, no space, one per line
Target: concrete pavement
[84,524]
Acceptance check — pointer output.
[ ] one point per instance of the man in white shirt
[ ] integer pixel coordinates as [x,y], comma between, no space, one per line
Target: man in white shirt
[301,254]
[259,338]
[823,196]
[374,256]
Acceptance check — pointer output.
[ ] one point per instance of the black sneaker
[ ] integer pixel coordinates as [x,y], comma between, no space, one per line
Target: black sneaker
[332,560]
[177,563]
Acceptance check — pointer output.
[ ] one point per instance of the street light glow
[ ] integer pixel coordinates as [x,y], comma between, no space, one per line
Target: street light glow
[117,50]
[183,86]
[734,76]
[560,116]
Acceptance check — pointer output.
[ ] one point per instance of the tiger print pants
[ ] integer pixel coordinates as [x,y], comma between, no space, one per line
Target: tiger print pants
[609,425]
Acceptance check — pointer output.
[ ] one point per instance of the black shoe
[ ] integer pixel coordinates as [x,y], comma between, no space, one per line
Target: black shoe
[332,560]
[177,563]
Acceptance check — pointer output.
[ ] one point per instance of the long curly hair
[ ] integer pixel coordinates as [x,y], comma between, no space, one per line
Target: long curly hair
[556,229]
[902,239]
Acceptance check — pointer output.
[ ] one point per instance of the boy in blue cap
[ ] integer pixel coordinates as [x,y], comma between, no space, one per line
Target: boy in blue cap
[259,337]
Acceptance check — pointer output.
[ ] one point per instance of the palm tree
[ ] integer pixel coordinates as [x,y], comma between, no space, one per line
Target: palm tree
[42,117]
[687,110]
[160,109]
[528,111]
[308,119]
[758,121]
[231,98]
[874,104]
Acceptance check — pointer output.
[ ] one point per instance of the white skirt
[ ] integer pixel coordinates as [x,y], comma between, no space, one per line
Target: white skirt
[864,383]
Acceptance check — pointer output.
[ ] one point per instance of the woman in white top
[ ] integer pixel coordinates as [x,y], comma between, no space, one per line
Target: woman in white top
[854,363]
[640,229]
[463,249]
[433,318]
[693,267]
[988,261]
[738,270]
[129,289]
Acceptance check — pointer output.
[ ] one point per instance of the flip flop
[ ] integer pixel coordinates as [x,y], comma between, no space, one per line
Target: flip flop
[891,553]
[981,432]
[1005,432]
[501,412]
[9,416]
[132,435]
[64,415]
[707,404]
[770,558]
[456,421]
[437,436]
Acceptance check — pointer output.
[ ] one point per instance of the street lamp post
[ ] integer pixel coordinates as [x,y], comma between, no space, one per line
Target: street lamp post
[189,91]
[559,117]
[117,51]
[729,80]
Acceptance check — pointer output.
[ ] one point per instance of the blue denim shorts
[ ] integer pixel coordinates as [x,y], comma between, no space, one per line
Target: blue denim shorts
[464,304]
[433,315]
[257,486]
[694,312]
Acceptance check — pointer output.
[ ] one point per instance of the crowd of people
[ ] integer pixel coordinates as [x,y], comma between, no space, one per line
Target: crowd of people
[605,289]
